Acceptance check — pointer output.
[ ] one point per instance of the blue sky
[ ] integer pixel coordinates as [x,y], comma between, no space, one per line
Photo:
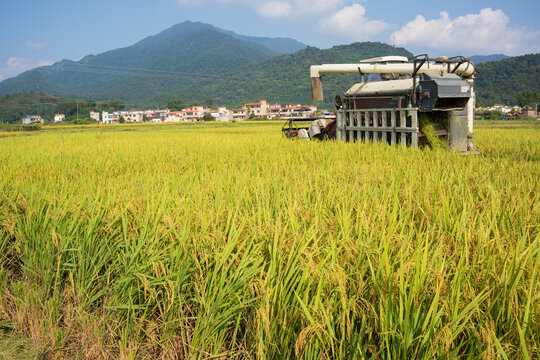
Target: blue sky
[37,33]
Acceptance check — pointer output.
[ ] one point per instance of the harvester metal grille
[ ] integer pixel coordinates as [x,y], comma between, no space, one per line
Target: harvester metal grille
[391,126]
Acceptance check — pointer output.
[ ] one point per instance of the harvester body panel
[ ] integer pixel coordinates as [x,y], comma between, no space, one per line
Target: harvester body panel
[410,99]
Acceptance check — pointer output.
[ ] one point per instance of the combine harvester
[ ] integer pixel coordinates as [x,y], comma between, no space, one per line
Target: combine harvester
[399,101]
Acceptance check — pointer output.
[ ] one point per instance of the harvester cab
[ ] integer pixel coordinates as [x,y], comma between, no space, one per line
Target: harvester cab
[414,102]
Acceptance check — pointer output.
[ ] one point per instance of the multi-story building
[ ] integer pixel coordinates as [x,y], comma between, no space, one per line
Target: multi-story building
[259,109]
[297,111]
[238,114]
[194,113]
[107,118]
[274,111]
[174,116]
[132,116]
[162,114]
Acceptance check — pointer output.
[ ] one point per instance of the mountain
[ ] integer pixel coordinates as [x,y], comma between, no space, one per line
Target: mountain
[178,57]
[280,46]
[196,61]
[478,59]
[285,78]
[504,80]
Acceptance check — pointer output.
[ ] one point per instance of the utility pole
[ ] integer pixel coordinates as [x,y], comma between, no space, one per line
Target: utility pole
[77,111]
[536,110]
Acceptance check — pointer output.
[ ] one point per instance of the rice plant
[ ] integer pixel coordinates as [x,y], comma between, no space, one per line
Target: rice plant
[229,241]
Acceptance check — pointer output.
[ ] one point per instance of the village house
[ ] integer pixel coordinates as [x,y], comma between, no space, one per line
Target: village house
[94,116]
[274,111]
[107,118]
[287,110]
[174,116]
[162,114]
[32,119]
[221,114]
[259,109]
[194,113]
[59,117]
[527,112]
[133,116]
[238,114]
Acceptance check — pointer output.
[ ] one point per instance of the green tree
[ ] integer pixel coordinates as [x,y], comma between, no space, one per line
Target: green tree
[528,97]
[208,102]
[67,108]
[121,120]
[208,117]
[175,104]
[117,104]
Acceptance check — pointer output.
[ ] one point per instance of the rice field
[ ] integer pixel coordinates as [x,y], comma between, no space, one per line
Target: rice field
[229,241]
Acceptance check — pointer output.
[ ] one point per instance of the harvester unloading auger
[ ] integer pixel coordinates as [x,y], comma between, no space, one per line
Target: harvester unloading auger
[399,101]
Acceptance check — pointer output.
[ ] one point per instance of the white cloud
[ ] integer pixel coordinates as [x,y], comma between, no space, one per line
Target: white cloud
[189,2]
[35,45]
[294,8]
[16,65]
[43,62]
[275,9]
[484,33]
[350,23]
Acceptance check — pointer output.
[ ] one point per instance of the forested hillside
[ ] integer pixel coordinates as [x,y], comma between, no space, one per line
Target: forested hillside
[285,79]
[14,107]
[503,81]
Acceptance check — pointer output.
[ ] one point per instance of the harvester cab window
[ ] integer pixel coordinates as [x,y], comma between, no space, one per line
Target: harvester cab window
[374,77]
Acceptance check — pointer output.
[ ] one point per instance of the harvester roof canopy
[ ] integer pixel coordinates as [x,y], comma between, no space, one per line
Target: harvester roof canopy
[385,59]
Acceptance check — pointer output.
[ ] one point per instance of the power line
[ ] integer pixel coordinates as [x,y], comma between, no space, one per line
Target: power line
[72,101]
[164,72]
[141,72]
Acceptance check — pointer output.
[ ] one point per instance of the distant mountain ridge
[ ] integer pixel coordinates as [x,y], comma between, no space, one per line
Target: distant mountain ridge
[279,45]
[502,81]
[164,61]
[191,60]
[195,61]
[478,59]
[285,79]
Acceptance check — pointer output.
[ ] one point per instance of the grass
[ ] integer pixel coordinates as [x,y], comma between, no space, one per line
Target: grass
[16,346]
[229,241]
